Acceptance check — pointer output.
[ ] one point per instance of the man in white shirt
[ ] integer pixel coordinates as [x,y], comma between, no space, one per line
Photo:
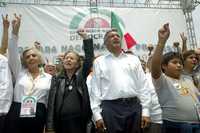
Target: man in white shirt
[6,88]
[118,88]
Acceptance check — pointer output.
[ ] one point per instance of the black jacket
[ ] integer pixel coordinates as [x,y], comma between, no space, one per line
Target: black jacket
[58,86]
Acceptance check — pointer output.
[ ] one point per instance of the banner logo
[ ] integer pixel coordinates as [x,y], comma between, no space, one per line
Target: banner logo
[96,22]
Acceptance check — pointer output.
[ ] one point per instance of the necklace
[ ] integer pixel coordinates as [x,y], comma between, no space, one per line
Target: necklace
[69,84]
[70,87]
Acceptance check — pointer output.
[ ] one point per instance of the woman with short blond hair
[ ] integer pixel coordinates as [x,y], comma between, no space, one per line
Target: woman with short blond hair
[28,110]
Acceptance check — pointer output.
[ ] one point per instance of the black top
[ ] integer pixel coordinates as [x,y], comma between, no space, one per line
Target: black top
[57,95]
[71,105]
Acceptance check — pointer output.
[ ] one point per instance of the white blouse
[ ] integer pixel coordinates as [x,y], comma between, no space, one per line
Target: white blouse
[25,85]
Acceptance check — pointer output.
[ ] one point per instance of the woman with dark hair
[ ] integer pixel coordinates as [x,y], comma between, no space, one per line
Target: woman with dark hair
[190,62]
[28,111]
[68,107]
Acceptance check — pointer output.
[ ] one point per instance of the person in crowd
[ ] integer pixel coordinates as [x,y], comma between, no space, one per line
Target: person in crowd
[59,62]
[190,61]
[143,63]
[150,49]
[38,46]
[50,68]
[117,85]
[155,109]
[196,71]
[28,111]
[6,85]
[61,56]
[69,107]
[197,52]
[177,96]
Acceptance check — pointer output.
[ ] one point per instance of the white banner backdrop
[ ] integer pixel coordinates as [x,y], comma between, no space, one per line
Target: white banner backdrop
[55,26]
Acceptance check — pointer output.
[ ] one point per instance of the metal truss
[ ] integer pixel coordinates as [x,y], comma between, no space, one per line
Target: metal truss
[186,5]
[161,4]
[168,4]
[190,29]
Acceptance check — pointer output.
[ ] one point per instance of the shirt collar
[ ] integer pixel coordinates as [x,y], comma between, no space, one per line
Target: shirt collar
[63,74]
[41,74]
[186,73]
[122,54]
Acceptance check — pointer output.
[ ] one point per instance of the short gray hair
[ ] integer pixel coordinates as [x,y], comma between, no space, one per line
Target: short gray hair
[38,53]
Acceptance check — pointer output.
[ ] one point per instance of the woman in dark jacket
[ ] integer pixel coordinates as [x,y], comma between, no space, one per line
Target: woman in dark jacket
[69,107]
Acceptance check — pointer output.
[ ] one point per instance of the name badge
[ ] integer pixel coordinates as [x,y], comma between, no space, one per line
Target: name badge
[28,106]
[197,105]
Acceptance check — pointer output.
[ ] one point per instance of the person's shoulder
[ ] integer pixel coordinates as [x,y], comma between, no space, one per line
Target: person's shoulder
[161,82]
[60,75]
[131,56]
[56,78]
[161,78]
[196,69]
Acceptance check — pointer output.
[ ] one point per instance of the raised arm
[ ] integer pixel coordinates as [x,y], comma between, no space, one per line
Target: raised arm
[163,35]
[4,41]
[89,52]
[184,42]
[14,57]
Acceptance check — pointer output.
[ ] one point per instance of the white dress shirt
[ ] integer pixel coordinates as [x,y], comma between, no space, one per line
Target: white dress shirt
[118,77]
[6,87]
[25,85]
